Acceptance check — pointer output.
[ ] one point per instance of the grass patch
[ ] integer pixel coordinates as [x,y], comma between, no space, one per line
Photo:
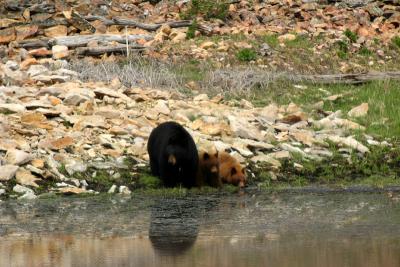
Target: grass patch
[396,41]
[271,40]
[246,55]
[300,42]
[365,51]
[352,36]
[191,32]
[149,181]
[342,49]
[206,8]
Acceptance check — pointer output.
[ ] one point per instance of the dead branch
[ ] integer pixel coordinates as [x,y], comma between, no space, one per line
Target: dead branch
[100,50]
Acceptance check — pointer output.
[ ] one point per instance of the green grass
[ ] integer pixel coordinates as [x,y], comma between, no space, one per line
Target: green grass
[191,33]
[352,36]
[365,51]
[396,41]
[246,55]
[271,40]
[149,182]
[207,8]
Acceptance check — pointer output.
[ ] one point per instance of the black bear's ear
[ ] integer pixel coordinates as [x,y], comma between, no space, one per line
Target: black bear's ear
[233,171]
[206,156]
[172,159]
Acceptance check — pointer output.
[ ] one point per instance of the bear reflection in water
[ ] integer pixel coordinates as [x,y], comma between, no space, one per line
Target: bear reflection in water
[174,224]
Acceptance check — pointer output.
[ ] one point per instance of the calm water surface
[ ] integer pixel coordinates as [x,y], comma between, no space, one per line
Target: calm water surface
[268,229]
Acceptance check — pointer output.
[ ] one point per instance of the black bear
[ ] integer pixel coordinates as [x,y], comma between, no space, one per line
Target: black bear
[173,155]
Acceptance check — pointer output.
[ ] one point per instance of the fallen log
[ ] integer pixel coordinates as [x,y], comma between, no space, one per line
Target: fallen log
[202,27]
[33,43]
[100,50]
[353,78]
[83,40]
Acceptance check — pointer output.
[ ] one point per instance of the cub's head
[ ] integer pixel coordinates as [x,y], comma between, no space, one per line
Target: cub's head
[209,164]
[237,175]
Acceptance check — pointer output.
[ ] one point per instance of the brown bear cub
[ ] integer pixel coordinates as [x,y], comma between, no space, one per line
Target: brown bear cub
[230,170]
[208,169]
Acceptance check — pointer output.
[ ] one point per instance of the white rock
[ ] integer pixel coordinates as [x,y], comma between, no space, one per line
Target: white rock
[21,189]
[359,111]
[17,157]
[73,166]
[12,65]
[201,97]
[270,113]
[12,108]
[266,159]
[35,70]
[59,51]
[112,189]
[7,172]
[25,177]
[162,107]
[2,191]
[28,196]
[124,190]
[242,128]
[74,99]
[350,142]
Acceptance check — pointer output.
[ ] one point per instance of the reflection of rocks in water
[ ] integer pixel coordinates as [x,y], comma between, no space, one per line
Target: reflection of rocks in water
[174,224]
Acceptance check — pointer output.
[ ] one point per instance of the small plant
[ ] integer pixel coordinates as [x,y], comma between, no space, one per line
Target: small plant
[148,181]
[191,33]
[246,55]
[207,8]
[365,51]
[352,36]
[396,41]
[343,49]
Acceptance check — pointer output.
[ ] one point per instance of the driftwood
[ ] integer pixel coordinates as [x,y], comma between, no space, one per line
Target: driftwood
[356,78]
[79,22]
[83,40]
[202,27]
[34,43]
[100,50]
[43,7]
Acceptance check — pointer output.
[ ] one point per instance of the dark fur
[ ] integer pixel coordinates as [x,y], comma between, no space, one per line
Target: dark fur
[170,138]
[208,170]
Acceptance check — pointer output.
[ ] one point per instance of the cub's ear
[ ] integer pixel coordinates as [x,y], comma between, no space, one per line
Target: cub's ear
[233,171]
[243,170]
[206,156]
[216,154]
[172,159]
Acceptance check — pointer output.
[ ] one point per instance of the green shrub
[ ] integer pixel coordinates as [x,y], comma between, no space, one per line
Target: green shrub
[246,54]
[365,51]
[207,8]
[352,36]
[191,33]
[343,49]
[396,41]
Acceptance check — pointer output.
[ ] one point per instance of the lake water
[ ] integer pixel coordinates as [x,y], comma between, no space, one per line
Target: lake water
[262,229]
